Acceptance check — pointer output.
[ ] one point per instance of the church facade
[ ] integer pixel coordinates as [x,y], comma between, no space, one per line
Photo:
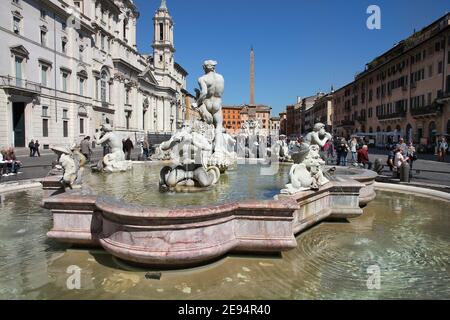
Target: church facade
[70,66]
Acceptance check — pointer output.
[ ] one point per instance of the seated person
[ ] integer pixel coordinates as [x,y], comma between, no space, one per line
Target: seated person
[363,157]
[399,159]
[13,164]
[3,163]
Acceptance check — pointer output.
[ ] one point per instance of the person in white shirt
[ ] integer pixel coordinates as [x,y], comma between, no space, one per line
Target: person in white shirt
[399,158]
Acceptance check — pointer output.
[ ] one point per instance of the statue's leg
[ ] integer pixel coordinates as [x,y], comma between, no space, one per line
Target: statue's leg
[202,177]
[218,122]
[206,115]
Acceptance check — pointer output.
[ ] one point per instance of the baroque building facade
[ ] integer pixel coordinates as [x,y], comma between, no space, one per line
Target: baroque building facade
[71,66]
[405,92]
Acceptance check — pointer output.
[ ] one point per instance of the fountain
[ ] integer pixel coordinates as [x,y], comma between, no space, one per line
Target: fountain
[197,212]
[194,230]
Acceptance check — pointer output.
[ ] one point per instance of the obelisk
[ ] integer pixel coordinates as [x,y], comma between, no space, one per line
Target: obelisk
[252,77]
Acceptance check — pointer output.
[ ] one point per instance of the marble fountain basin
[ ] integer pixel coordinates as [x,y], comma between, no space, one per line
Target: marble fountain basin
[178,236]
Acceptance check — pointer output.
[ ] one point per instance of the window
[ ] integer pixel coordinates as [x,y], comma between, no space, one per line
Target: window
[64,46]
[127,96]
[81,126]
[96,88]
[125,28]
[440,67]
[103,42]
[45,128]
[65,129]
[18,64]
[103,86]
[16,25]
[43,14]
[65,81]
[80,52]
[82,80]
[79,5]
[127,119]
[430,71]
[44,111]
[437,46]
[65,114]
[43,37]
[44,70]
[161,31]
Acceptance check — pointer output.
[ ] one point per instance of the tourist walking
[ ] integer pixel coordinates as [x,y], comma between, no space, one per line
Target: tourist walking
[85,148]
[31,147]
[411,154]
[342,152]
[442,149]
[353,148]
[128,146]
[36,149]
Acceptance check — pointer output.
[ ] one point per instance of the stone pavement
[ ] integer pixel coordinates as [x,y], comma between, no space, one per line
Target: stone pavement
[39,167]
[425,172]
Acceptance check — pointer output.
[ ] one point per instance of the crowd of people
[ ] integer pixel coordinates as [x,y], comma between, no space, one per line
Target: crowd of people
[339,149]
[128,146]
[355,152]
[9,163]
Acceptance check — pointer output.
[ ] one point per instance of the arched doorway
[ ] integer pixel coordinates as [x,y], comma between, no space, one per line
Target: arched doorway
[370,130]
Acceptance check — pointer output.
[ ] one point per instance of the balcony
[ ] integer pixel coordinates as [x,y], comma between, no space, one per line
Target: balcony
[361,119]
[443,97]
[427,111]
[347,123]
[393,116]
[20,85]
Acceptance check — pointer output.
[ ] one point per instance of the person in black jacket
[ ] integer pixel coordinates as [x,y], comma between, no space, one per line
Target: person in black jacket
[36,149]
[31,146]
[128,146]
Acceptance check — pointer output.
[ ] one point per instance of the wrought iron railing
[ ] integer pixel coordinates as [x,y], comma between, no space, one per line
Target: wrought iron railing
[430,109]
[22,84]
[394,115]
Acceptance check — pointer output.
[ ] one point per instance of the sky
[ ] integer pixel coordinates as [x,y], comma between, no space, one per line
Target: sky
[301,47]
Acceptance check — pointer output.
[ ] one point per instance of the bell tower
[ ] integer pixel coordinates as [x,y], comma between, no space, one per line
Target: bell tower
[163,46]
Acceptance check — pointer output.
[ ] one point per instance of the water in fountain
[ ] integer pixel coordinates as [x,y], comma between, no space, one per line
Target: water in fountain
[405,236]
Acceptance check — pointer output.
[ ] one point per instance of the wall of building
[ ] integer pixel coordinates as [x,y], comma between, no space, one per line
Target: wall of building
[99,43]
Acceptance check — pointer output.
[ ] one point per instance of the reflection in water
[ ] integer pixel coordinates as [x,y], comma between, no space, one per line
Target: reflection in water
[140,186]
[411,249]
